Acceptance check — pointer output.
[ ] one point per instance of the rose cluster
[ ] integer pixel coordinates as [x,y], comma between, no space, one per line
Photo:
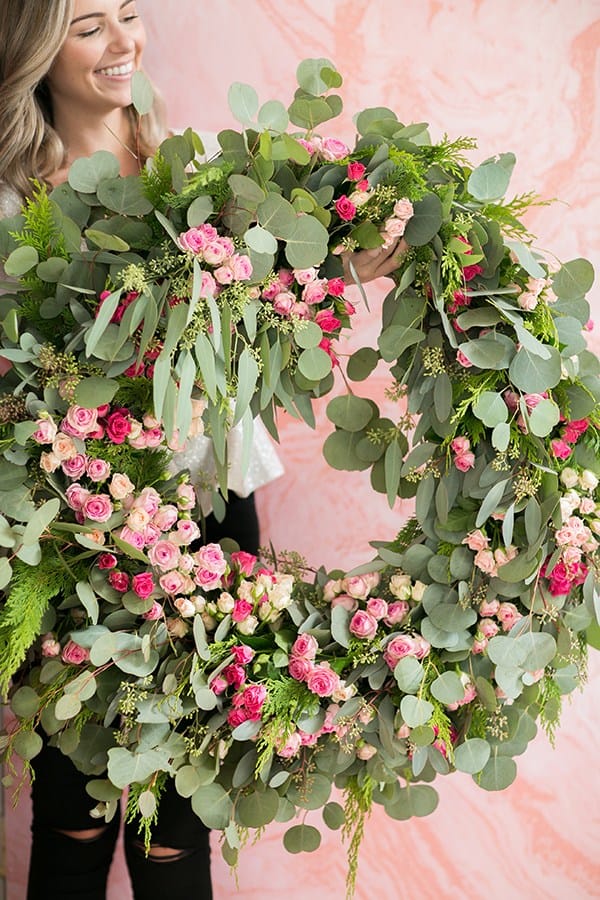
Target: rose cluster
[217,251]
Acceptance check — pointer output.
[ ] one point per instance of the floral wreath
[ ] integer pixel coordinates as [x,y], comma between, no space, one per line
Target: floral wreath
[200,295]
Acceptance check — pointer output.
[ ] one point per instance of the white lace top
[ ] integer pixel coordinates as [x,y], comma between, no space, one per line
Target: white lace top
[264,466]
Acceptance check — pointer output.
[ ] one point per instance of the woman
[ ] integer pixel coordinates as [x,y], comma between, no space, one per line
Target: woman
[65,92]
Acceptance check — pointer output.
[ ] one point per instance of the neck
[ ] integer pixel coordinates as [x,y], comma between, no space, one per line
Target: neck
[84,136]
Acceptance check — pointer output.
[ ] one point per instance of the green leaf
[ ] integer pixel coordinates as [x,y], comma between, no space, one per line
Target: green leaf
[273,116]
[544,417]
[260,240]
[472,756]
[488,352]
[425,222]
[88,599]
[302,839]
[533,375]
[27,744]
[212,804]
[339,450]
[142,95]
[314,363]
[21,261]
[415,711]
[395,339]
[124,195]
[408,674]
[350,412]
[25,702]
[392,467]
[40,520]
[247,378]
[540,648]
[87,172]
[573,279]
[333,815]
[491,409]
[340,632]
[67,706]
[256,810]
[448,688]
[95,391]
[307,246]
[361,364]
[105,241]
[491,502]
[316,76]
[307,334]
[243,102]
[126,768]
[497,774]
[507,651]
[501,436]
[489,181]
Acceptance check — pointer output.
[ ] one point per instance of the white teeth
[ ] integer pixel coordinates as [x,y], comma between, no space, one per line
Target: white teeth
[117,70]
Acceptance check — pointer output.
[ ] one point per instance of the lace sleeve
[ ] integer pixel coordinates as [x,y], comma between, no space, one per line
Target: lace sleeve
[10,201]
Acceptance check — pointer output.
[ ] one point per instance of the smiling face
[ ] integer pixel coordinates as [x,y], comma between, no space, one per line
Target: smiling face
[92,71]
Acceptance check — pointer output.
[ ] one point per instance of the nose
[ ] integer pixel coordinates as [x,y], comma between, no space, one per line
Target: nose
[120,38]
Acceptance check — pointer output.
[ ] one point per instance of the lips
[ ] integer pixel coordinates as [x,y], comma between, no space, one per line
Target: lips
[111,71]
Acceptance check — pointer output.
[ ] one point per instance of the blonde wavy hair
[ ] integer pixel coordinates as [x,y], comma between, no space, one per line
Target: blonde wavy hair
[32,34]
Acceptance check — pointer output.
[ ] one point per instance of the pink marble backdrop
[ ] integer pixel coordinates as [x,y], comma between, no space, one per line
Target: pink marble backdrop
[521,77]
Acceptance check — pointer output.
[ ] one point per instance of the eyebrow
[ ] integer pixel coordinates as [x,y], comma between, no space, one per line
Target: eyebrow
[98,15]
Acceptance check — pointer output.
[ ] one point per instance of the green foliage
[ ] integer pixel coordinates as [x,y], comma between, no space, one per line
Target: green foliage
[42,228]
[133,809]
[358,800]
[24,606]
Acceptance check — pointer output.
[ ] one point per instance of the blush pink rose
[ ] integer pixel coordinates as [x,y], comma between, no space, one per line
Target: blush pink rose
[331,149]
[305,645]
[46,431]
[74,467]
[98,507]
[397,612]
[300,667]
[488,628]
[322,680]
[460,444]
[345,600]
[377,607]
[283,303]
[81,420]
[476,540]
[172,582]
[400,646]
[154,613]
[165,517]
[120,486]
[363,625]
[98,469]
[74,655]
[485,562]
[135,538]
[508,614]
[211,557]
[164,555]
[315,291]
[464,461]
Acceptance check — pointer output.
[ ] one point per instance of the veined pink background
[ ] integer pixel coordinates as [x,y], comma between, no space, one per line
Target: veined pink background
[520,76]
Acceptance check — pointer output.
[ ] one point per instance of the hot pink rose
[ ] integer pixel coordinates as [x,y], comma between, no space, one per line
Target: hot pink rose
[253,698]
[327,321]
[322,680]
[363,625]
[74,655]
[236,717]
[336,287]
[463,360]
[243,654]
[244,562]
[345,208]
[234,675]
[241,610]
[119,581]
[107,561]
[355,171]
[143,584]
[560,449]
[118,426]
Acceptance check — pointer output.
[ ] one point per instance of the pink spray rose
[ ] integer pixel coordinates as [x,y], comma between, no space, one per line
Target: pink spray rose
[74,655]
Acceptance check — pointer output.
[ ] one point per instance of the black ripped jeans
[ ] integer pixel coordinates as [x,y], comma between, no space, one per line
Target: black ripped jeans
[66,867]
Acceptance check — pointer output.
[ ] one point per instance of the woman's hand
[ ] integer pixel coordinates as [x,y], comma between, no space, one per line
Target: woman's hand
[370,264]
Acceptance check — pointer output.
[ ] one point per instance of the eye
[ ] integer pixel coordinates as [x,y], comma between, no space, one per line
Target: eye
[130,18]
[85,34]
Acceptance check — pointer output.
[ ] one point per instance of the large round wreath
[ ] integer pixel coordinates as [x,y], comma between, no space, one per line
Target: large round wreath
[200,295]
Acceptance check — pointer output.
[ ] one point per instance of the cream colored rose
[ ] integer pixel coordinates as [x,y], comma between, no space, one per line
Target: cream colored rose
[49,462]
[569,477]
[63,446]
[120,486]
[588,480]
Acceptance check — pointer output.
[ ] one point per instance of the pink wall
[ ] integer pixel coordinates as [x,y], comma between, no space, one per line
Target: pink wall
[521,77]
